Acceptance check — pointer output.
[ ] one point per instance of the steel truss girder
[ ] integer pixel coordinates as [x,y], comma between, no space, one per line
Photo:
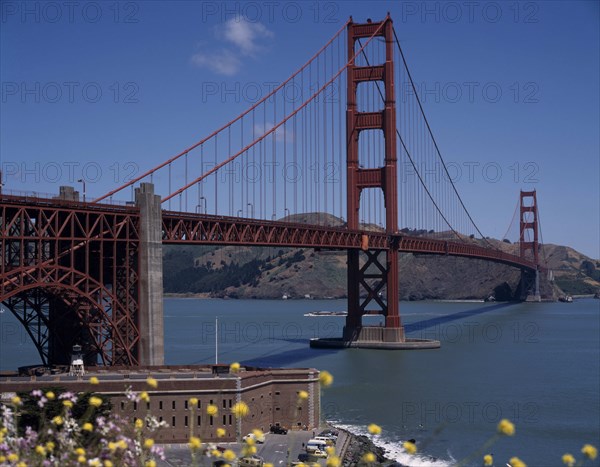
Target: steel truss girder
[213,230]
[83,257]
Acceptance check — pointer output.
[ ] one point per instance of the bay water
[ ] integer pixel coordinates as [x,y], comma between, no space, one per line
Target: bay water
[537,364]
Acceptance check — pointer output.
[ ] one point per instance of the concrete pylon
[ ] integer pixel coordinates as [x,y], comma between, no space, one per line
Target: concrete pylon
[151,315]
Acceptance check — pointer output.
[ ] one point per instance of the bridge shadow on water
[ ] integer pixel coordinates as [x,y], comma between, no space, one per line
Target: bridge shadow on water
[289,357]
[429,323]
[285,358]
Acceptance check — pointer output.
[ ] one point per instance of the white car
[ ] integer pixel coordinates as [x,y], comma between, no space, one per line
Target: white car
[259,439]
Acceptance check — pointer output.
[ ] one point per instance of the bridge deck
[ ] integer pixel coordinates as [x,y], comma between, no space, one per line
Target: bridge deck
[204,229]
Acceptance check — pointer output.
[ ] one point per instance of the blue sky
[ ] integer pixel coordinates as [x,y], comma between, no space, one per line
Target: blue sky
[103,90]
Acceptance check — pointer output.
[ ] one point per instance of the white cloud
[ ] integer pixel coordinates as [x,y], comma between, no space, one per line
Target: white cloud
[245,35]
[223,62]
[240,38]
[281,134]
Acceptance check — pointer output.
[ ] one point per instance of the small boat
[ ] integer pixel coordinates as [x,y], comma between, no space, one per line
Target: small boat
[327,313]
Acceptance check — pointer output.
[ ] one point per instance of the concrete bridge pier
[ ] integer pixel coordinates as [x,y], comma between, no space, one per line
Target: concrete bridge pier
[150,315]
[530,286]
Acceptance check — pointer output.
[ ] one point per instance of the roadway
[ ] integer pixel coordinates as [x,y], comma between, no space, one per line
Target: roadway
[274,450]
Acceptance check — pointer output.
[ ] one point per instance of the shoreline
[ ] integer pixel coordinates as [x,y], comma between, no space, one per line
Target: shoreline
[356,446]
[208,296]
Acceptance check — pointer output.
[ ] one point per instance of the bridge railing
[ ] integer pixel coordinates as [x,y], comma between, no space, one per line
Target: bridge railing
[53,199]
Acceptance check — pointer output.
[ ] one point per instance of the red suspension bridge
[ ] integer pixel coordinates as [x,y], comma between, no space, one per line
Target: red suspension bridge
[331,143]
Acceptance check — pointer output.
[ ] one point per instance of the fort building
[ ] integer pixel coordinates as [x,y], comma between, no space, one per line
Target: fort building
[272,396]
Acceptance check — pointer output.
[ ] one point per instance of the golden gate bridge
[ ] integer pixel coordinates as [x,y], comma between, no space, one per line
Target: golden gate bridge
[330,141]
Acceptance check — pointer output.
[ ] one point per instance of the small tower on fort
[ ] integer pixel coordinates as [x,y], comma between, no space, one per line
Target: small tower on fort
[76,368]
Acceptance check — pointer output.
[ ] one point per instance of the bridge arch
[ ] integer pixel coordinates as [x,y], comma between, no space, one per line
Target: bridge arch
[65,307]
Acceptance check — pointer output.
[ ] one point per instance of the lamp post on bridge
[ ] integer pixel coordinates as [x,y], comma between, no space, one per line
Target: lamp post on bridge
[288,213]
[202,198]
[250,205]
[82,180]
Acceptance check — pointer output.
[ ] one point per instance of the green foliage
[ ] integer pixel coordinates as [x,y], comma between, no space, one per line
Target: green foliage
[589,269]
[204,279]
[35,416]
[574,286]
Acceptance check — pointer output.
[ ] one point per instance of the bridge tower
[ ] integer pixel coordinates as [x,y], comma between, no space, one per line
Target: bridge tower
[366,282]
[529,244]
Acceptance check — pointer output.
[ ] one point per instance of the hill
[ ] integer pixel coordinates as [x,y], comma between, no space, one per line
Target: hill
[266,272]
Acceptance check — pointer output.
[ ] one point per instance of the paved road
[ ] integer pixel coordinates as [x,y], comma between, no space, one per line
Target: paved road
[277,449]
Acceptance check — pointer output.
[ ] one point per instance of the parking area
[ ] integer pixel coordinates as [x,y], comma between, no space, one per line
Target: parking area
[280,450]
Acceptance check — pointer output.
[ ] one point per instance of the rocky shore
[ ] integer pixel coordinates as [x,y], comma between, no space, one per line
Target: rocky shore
[356,446]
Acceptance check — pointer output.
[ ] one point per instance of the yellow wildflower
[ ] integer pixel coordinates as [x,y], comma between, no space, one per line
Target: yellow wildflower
[50,395]
[234,367]
[212,410]
[303,395]
[139,424]
[409,447]
[68,404]
[333,461]
[193,402]
[369,458]
[41,450]
[506,427]
[150,381]
[516,462]
[121,444]
[374,429]
[589,451]
[87,427]
[220,432]
[248,450]
[249,441]
[325,378]
[16,400]
[80,451]
[150,463]
[58,420]
[95,462]
[112,446]
[488,460]
[229,455]
[195,442]
[258,433]
[13,457]
[215,453]
[50,446]
[268,464]
[149,443]
[22,464]
[95,401]
[108,463]
[240,409]
[330,450]
[94,380]
[2,459]
[144,396]
[81,459]
[568,460]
